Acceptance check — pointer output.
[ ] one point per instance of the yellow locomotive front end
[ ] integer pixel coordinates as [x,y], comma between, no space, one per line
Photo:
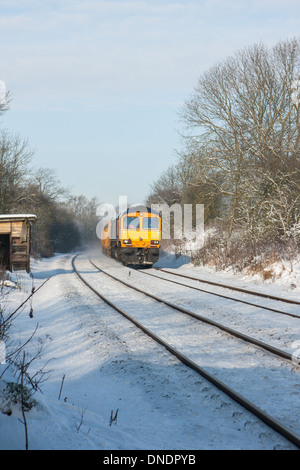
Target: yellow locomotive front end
[140,237]
[134,237]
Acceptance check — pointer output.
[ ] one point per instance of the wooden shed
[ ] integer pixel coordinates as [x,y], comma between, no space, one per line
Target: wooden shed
[15,241]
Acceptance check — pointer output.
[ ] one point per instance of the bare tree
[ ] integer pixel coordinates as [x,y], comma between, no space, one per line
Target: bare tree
[166,189]
[47,184]
[15,156]
[84,211]
[243,133]
[5,97]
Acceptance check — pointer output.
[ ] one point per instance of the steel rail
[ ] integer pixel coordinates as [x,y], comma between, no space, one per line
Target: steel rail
[244,402]
[224,296]
[239,289]
[237,334]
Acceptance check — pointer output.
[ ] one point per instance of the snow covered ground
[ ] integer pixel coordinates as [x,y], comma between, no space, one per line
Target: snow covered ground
[109,366]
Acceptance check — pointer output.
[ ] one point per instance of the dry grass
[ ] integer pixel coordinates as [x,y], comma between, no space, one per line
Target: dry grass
[238,254]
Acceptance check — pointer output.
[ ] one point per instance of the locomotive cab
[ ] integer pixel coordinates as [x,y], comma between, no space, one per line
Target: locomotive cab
[137,239]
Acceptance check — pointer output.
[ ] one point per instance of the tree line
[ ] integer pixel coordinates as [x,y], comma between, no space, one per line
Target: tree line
[240,154]
[64,222]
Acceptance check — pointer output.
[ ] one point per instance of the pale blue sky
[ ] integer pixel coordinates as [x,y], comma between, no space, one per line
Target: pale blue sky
[97,84]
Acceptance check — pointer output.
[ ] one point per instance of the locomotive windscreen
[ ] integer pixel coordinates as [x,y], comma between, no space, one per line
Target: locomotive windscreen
[150,223]
[131,223]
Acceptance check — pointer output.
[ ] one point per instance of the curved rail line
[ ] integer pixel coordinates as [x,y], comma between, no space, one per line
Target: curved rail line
[221,295]
[237,334]
[226,286]
[258,412]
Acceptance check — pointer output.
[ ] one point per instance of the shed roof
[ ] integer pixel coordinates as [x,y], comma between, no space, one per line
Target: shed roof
[11,217]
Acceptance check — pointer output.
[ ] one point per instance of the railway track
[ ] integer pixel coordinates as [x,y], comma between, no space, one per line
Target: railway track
[234,288]
[237,334]
[245,291]
[272,422]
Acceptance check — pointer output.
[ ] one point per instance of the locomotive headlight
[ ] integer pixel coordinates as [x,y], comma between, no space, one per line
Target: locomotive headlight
[154,242]
[127,242]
